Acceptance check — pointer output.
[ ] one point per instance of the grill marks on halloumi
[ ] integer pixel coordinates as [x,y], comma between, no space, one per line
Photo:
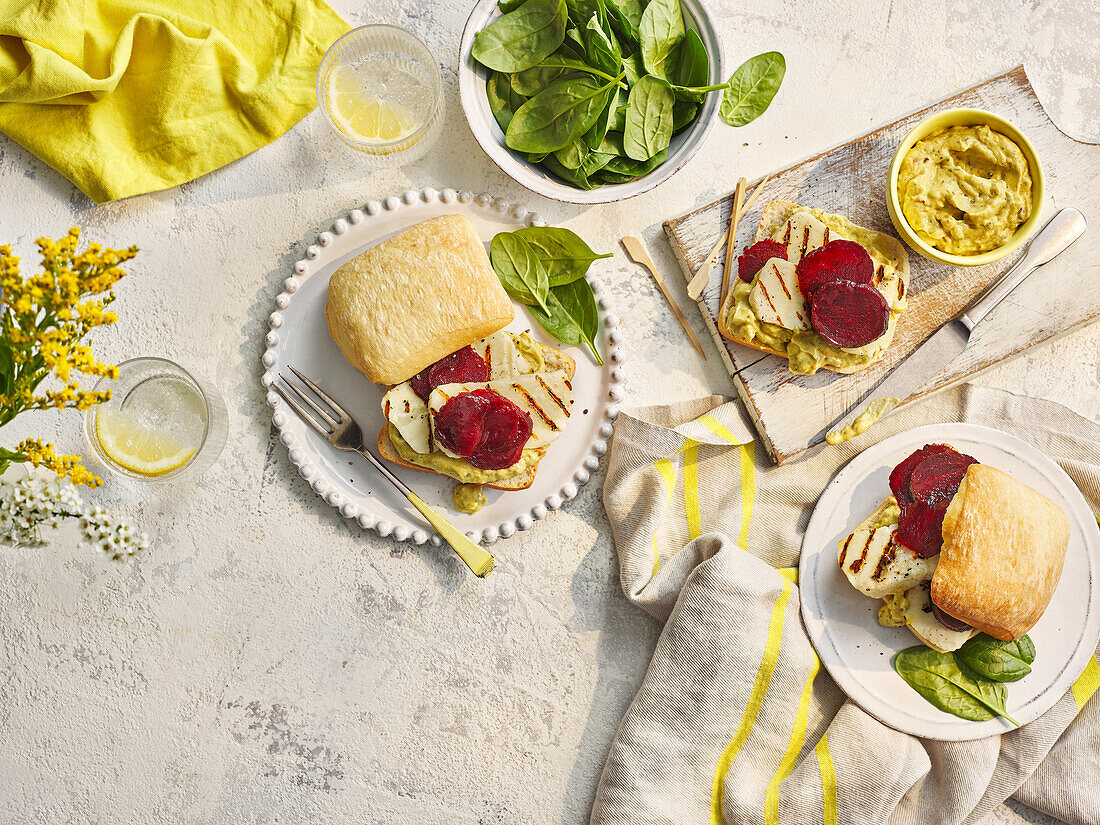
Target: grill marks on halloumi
[802,234]
[876,564]
[776,298]
[409,414]
[546,396]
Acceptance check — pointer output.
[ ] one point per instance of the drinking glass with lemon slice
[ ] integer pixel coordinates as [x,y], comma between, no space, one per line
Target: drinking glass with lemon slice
[159,423]
[381,92]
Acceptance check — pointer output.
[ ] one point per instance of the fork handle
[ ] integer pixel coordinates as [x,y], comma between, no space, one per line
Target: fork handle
[477,558]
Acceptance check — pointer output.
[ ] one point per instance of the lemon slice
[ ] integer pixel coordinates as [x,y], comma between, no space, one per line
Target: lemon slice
[137,448]
[361,113]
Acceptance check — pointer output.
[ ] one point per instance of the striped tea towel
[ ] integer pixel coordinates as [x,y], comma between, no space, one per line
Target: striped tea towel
[735,721]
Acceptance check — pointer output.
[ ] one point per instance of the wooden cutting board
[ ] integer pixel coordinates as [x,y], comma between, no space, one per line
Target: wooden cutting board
[792,412]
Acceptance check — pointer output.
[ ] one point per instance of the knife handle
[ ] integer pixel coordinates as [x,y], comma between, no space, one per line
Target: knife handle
[1061,231]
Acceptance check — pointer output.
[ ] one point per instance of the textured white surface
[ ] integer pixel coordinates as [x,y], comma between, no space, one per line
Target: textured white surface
[269,661]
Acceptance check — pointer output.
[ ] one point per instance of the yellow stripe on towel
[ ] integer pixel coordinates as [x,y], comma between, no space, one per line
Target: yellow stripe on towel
[668,476]
[828,779]
[1086,683]
[794,747]
[718,428]
[691,488]
[756,699]
[748,490]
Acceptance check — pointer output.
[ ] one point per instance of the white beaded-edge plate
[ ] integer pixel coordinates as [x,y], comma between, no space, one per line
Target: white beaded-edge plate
[299,336]
[857,651]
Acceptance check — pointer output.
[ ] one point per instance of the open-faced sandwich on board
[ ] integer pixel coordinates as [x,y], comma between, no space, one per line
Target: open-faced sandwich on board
[957,549]
[423,313]
[817,289]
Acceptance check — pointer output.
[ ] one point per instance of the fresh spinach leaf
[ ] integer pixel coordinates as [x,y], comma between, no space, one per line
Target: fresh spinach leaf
[595,136]
[660,31]
[503,99]
[631,10]
[519,269]
[562,60]
[623,25]
[998,661]
[683,115]
[573,34]
[581,11]
[636,168]
[573,317]
[601,48]
[572,155]
[531,81]
[751,88]
[632,65]
[692,61]
[937,677]
[648,118]
[522,38]
[571,176]
[604,176]
[506,6]
[557,115]
[594,162]
[563,252]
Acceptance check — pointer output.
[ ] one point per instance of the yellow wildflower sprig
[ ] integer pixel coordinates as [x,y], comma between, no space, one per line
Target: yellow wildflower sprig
[40,454]
[44,317]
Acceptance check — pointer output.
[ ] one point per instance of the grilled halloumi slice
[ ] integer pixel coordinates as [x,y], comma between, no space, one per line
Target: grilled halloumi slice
[776,298]
[409,414]
[802,234]
[876,564]
[503,355]
[546,396]
[923,622]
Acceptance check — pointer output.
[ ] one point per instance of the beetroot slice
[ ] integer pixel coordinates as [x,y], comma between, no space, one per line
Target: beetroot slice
[920,529]
[900,475]
[948,621]
[838,260]
[459,425]
[935,480]
[848,314]
[752,260]
[507,429]
[460,367]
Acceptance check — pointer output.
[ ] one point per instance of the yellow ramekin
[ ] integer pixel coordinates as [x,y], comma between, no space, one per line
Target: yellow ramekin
[965,117]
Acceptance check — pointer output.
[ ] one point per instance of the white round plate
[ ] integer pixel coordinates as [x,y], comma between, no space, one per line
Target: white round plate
[857,650]
[471,86]
[299,336]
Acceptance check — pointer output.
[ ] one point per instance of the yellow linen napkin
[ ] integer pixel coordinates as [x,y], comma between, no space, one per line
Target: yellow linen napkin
[130,97]
[736,722]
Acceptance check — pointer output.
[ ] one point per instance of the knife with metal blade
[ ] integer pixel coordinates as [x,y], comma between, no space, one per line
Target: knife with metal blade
[949,341]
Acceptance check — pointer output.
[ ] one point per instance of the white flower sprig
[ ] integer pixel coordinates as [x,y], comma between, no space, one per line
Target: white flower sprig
[115,539]
[29,505]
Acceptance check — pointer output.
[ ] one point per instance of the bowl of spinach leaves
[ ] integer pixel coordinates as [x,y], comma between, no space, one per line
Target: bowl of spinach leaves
[594,101]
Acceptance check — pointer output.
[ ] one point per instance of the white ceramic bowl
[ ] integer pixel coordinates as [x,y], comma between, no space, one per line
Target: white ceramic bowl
[471,84]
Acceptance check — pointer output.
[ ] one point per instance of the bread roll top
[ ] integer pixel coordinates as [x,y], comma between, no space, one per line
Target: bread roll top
[1003,548]
[412,299]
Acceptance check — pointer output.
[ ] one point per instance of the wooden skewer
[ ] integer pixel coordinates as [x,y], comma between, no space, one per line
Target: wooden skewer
[731,237]
[702,276]
[636,251]
[755,194]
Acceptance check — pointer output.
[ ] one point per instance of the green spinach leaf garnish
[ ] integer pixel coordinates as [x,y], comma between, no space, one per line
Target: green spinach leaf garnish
[939,679]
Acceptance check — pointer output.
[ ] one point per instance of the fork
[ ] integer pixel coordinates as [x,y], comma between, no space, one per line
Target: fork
[342,431]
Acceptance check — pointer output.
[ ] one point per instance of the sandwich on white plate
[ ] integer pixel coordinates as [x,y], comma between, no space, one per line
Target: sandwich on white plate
[818,290]
[958,548]
[424,314]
